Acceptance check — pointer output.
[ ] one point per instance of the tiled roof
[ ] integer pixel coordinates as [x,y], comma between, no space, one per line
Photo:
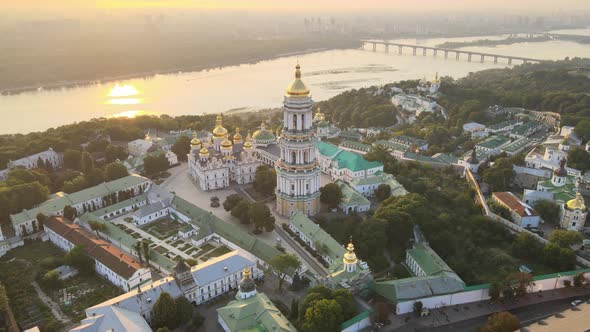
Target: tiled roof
[515,204]
[428,260]
[355,162]
[109,255]
[327,149]
[493,142]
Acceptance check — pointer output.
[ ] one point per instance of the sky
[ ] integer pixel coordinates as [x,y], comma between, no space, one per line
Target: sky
[307,5]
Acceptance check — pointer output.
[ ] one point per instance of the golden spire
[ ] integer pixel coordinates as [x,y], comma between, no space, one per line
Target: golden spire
[238,136]
[204,152]
[195,141]
[219,131]
[246,273]
[297,88]
[350,256]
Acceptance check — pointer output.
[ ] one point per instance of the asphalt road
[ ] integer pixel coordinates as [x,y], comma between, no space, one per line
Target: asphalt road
[527,315]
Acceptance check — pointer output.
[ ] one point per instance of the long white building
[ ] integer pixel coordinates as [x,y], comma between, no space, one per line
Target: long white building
[86,200]
[111,263]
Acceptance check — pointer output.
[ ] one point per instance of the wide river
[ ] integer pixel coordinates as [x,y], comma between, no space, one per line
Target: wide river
[254,86]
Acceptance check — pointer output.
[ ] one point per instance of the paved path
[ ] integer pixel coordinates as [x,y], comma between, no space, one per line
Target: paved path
[319,269]
[148,236]
[55,309]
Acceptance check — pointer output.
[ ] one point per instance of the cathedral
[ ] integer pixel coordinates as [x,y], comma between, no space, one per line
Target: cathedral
[298,170]
[213,164]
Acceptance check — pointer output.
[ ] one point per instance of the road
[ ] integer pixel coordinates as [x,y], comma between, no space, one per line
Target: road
[527,315]
[305,255]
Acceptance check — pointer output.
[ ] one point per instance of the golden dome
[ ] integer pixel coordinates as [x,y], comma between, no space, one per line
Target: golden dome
[350,256]
[226,143]
[576,203]
[297,88]
[237,136]
[248,145]
[204,151]
[219,131]
[195,140]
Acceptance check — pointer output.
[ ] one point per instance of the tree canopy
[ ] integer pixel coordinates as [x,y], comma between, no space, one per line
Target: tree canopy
[331,194]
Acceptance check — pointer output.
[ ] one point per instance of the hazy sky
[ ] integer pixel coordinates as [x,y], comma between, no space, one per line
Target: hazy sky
[310,5]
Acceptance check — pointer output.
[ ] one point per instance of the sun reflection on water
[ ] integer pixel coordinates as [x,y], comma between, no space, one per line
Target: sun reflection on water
[123,95]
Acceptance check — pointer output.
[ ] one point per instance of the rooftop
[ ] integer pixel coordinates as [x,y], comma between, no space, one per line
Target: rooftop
[256,313]
[316,234]
[493,142]
[515,204]
[350,196]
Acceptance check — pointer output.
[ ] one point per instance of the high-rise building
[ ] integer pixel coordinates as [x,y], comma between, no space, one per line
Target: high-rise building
[298,171]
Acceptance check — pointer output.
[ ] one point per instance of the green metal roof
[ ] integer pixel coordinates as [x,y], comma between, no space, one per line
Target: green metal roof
[356,319]
[408,289]
[428,259]
[327,149]
[316,234]
[58,203]
[517,145]
[391,145]
[493,142]
[256,313]
[350,196]
[355,162]
[563,193]
[356,146]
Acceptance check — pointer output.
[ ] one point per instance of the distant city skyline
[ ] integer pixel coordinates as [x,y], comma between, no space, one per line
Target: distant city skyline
[532,6]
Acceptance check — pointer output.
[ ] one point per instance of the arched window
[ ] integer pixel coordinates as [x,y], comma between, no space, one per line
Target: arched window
[293,157]
[302,121]
[294,121]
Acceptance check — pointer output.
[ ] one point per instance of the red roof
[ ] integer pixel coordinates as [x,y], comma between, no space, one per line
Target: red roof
[104,252]
[513,203]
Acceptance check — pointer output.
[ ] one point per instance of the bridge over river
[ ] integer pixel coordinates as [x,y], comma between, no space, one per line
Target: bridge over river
[435,51]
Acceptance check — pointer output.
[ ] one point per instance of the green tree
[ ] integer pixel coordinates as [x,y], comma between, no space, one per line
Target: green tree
[73,159]
[114,153]
[294,313]
[146,251]
[241,211]
[370,241]
[75,185]
[3,299]
[153,164]
[494,291]
[69,212]
[417,308]
[501,322]
[324,315]
[97,146]
[78,258]
[94,177]
[97,227]
[41,220]
[500,176]
[559,258]
[582,130]
[548,210]
[50,279]
[331,194]
[182,147]
[86,163]
[265,180]
[114,171]
[260,215]
[383,192]
[231,201]
[526,246]
[164,312]
[40,163]
[163,329]
[579,279]
[579,159]
[191,262]
[184,309]
[283,265]
[565,238]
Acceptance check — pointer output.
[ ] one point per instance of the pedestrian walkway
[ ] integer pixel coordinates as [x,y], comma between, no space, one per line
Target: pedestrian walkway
[154,239]
[55,309]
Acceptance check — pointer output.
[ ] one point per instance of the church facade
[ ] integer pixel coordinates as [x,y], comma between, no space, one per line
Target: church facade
[213,164]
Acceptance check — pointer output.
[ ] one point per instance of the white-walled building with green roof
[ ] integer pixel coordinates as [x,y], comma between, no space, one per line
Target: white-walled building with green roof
[344,165]
[89,199]
[252,311]
[367,186]
[351,200]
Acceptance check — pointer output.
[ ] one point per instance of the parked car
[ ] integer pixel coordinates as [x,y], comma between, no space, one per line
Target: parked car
[576,303]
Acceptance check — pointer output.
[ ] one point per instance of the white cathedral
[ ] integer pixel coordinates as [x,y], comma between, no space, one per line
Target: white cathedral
[215,163]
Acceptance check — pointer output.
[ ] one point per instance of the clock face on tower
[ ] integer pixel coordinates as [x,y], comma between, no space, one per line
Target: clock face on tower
[298,172]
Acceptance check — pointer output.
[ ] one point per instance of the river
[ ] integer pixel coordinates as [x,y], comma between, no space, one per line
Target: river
[253,86]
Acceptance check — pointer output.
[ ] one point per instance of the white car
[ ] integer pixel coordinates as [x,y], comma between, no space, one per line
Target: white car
[576,303]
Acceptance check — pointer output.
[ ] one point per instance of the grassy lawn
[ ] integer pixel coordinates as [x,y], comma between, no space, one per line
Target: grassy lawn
[177,243]
[207,247]
[216,253]
[192,250]
[160,250]
[185,247]
[162,228]
[136,235]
